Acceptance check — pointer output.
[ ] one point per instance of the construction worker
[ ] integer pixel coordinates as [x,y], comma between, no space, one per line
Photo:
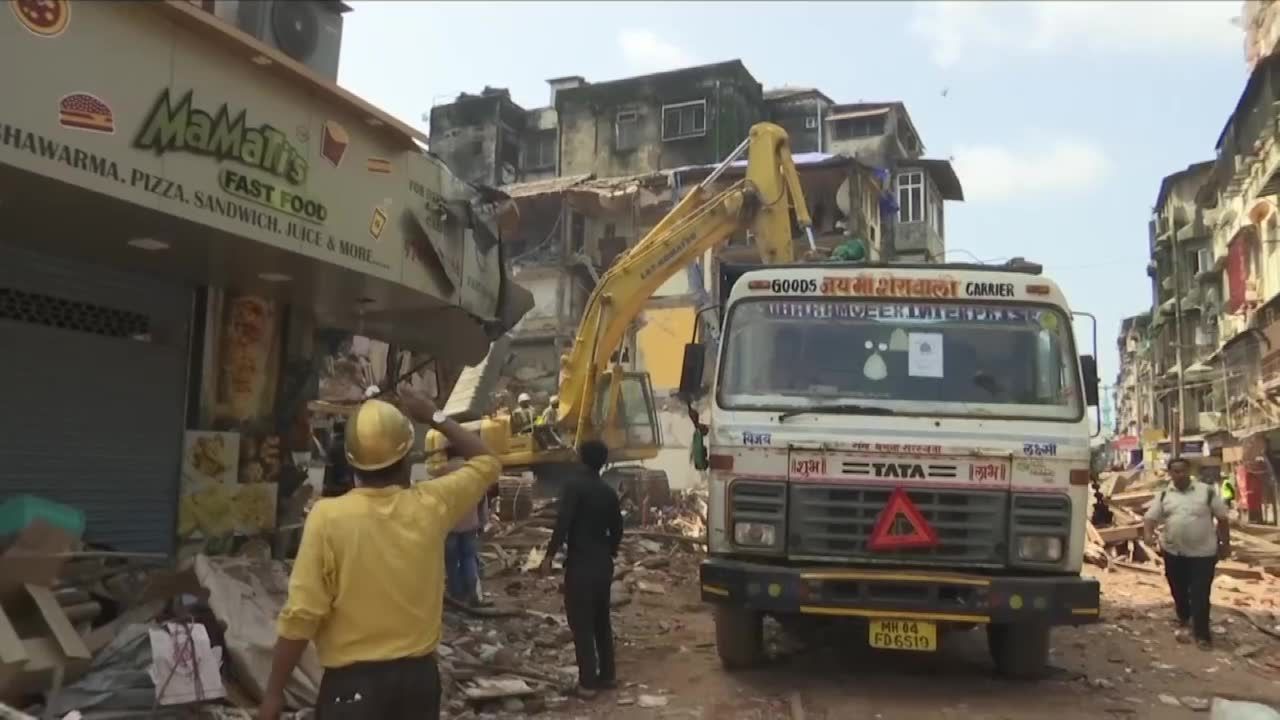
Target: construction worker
[550,415]
[368,583]
[1229,490]
[522,417]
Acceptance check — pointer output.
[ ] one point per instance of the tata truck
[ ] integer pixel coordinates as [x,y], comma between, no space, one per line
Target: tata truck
[904,447]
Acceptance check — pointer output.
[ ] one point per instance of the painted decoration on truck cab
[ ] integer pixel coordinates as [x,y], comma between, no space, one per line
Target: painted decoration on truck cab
[980,472]
[808,466]
[891,286]
[1033,449]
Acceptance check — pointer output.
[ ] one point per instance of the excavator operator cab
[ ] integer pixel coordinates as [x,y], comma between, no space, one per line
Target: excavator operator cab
[630,429]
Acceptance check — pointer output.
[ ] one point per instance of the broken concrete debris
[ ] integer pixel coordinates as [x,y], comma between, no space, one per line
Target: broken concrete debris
[1115,535]
[115,631]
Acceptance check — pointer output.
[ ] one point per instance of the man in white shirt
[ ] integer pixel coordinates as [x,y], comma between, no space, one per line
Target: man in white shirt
[1190,544]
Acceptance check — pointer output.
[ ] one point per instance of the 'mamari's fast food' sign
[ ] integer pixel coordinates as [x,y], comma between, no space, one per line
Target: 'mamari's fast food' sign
[181,127]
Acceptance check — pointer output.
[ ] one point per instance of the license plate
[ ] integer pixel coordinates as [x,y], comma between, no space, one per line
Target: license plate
[914,635]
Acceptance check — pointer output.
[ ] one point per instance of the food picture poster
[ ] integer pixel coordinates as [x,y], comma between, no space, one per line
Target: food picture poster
[247,358]
[216,505]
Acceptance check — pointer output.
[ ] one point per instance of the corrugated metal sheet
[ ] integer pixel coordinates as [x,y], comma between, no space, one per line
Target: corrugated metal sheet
[92,417]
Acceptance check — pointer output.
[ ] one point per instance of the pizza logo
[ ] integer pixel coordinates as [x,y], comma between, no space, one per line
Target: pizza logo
[46,18]
[82,111]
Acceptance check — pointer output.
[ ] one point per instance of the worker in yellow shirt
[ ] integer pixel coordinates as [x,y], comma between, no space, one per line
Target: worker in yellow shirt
[368,583]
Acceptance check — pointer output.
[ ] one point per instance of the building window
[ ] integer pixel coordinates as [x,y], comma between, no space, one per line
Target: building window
[910,196]
[540,153]
[1202,261]
[810,123]
[871,126]
[626,130]
[684,120]
[935,213]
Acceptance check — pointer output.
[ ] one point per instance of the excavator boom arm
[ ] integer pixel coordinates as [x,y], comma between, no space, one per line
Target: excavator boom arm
[762,201]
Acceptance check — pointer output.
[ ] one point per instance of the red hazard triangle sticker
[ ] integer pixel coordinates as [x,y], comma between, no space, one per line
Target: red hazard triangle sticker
[901,526]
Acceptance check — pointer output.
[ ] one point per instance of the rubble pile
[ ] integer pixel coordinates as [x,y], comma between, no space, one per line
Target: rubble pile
[100,634]
[1115,531]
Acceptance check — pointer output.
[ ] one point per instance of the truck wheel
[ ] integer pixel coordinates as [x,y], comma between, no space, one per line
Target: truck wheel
[739,637]
[1020,652]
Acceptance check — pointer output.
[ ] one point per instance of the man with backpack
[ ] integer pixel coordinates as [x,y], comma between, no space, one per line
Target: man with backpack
[1190,544]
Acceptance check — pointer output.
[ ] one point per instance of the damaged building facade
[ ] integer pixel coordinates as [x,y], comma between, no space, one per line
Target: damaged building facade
[1209,348]
[625,152]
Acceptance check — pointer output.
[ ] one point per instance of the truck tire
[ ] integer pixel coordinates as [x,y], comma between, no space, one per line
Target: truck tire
[1020,652]
[739,637]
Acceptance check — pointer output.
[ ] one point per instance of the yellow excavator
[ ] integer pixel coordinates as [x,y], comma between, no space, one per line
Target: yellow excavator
[597,398]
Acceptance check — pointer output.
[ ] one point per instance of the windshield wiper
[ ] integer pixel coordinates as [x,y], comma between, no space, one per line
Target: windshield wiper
[839,410]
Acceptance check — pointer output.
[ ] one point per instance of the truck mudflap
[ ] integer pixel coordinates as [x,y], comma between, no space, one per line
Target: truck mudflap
[928,595]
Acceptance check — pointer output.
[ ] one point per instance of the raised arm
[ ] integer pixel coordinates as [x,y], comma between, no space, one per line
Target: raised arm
[461,490]
[421,408]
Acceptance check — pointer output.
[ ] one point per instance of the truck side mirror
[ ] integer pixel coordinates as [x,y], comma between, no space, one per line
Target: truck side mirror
[695,360]
[1089,369]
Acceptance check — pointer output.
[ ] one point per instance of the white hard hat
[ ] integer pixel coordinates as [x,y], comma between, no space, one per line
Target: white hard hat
[554,399]
[524,398]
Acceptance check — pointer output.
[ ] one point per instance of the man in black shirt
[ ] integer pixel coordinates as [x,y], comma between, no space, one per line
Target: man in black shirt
[589,520]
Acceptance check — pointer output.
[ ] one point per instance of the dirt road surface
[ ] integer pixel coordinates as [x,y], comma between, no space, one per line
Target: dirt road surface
[1128,666]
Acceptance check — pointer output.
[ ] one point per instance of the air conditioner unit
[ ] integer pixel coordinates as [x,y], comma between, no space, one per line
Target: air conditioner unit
[309,31]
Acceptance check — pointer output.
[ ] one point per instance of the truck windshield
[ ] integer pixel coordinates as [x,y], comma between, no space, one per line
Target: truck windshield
[913,358]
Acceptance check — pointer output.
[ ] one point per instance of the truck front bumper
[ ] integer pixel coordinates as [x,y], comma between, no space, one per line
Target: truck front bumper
[944,597]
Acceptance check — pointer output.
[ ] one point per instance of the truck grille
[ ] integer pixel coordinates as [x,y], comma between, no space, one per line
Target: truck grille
[832,522]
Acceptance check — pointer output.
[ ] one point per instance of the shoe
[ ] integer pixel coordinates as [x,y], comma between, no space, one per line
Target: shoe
[1178,623]
[1183,636]
[584,692]
[1204,644]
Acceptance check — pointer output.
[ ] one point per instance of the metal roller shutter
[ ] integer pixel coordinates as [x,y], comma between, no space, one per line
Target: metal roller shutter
[93,368]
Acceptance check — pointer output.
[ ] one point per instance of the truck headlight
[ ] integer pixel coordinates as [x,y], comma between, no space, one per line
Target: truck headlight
[1039,548]
[752,534]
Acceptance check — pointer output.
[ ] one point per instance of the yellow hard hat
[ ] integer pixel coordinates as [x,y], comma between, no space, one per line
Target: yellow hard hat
[378,436]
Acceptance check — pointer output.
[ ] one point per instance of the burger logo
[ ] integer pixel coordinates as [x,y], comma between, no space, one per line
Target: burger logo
[46,18]
[82,111]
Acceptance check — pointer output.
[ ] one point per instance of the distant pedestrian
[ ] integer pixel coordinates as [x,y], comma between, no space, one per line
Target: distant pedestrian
[1191,546]
[338,478]
[589,520]
[462,550]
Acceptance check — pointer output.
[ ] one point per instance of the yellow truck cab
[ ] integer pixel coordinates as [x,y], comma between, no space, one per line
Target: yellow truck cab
[904,446]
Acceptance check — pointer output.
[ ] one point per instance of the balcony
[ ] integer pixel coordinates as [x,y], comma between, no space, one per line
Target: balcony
[1249,136]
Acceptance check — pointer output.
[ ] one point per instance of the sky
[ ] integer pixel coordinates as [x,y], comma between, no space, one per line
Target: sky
[1060,117]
